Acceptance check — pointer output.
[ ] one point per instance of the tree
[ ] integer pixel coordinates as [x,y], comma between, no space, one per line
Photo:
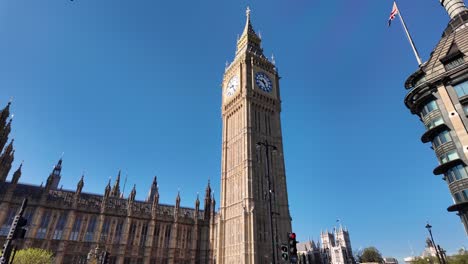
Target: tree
[370,254]
[33,256]
[458,259]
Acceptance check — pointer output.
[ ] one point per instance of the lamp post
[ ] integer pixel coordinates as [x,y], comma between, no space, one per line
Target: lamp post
[439,257]
[269,147]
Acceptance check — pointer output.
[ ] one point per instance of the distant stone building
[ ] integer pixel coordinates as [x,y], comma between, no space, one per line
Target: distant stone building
[336,247]
[390,260]
[309,253]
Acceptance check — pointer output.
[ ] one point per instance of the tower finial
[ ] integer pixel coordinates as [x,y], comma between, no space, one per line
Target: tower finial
[247,12]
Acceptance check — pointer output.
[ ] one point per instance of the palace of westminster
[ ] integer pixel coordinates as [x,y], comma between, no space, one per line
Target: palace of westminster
[243,230]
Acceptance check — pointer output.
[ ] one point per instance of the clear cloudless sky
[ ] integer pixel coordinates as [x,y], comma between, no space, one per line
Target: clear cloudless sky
[135,85]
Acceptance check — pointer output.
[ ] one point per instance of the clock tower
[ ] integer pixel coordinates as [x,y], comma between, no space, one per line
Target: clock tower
[254,217]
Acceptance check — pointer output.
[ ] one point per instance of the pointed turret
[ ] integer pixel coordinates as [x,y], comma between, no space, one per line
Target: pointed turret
[132,195]
[108,189]
[6,161]
[79,186]
[453,7]
[54,178]
[4,114]
[116,189]
[197,203]
[17,175]
[153,190]
[207,204]
[249,41]
[4,134]
[178,200]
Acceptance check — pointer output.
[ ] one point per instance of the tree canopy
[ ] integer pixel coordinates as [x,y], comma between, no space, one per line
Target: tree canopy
[33,256]
[370,254]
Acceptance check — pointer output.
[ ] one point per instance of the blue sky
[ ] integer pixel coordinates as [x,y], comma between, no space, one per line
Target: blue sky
[135,85]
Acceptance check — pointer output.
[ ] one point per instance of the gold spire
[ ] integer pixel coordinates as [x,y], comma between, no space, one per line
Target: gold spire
[249,41]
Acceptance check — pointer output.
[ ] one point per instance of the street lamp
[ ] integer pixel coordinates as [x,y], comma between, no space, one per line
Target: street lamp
[269,147]
[439,256]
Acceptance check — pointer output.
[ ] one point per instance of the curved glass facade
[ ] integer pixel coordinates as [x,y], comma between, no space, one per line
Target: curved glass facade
[456,173]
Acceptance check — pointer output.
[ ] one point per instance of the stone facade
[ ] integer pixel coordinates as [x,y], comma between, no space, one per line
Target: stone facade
[336,247]
[438,95]
[253,219]
[71,223]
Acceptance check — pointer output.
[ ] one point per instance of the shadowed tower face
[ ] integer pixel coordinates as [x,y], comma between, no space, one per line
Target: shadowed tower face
[251,109]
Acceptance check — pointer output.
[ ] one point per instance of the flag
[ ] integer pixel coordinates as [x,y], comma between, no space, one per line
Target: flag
[393,13]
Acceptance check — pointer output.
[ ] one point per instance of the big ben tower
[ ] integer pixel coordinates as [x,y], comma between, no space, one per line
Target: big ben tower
[254,214]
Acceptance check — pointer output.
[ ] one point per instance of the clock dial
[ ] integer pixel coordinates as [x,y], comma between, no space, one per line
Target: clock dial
[263,82]
[232,86]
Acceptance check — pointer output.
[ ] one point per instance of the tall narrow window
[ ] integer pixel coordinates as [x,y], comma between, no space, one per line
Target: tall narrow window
[76,228]
[58,232]
[118,231]
[132,233]
[144,231]
[167,236]
[90,230]
[42,230]
[6,225]
[156,235]
[105,230]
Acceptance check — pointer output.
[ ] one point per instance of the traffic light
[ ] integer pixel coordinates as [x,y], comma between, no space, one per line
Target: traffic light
[292,247]
[284,252]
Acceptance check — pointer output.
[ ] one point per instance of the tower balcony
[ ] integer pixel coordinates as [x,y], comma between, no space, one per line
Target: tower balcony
[442,168]
[458,207]
[429,135]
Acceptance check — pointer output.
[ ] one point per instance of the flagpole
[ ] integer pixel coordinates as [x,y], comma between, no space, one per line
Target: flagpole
[410,39]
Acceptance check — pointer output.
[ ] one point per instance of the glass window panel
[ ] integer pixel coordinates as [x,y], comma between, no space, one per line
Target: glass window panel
[461,88]
[438,121]
[457,197]
[452,155]
[465,194]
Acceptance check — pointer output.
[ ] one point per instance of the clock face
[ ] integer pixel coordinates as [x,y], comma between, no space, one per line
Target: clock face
[263,82]
[232,86]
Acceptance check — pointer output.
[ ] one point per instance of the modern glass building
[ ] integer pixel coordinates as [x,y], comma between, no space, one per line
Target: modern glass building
[438,94]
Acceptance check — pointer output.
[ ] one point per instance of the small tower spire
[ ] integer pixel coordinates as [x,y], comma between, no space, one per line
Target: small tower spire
[79,186]
[4,114]
[453,7]
[249,41]
[4,134]
[153,190]
[116,189]
[132,193]
[108,189]
[17,174]
[54,178]
[6,161]
[178,199]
